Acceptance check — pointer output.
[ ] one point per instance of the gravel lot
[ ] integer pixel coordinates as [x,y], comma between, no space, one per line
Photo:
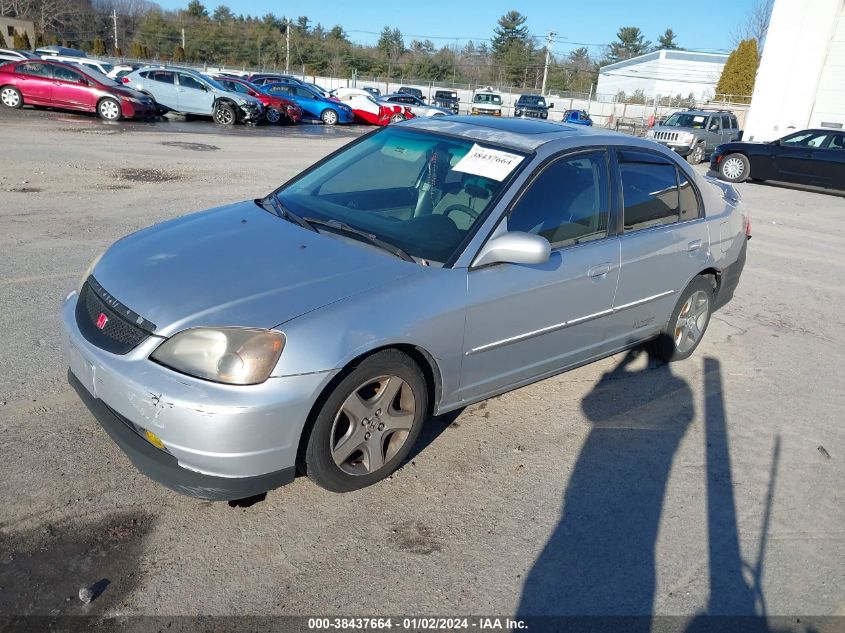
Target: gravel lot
[712,486]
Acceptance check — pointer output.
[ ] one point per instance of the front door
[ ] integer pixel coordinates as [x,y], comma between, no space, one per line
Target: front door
[797,157]
[527,321]
[71,89]
[193,96]
[665,243]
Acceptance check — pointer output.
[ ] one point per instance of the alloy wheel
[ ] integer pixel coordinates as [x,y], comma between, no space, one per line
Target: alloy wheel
[733,168]
[372,425]
[273,115]
[329,117]
[10,97]
[223,116]
[691,322]
[698,154]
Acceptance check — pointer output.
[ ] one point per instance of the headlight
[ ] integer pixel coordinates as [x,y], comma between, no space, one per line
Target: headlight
[517,112]
[236,356]
[89,271]
[649,134]
[686,137]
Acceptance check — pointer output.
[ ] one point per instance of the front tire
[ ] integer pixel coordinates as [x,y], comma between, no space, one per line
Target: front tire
[109,109]
[368,424]
[734,168]
[696,155]
[224,114]
[11,97]
[273,116]
[688,322]
[329,117]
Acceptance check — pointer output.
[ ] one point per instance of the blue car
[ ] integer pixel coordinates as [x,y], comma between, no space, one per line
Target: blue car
[314,106]
[578,117]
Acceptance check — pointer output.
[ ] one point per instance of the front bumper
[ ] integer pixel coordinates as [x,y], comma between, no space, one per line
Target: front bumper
[482,112]
[131,109]
[207,429]
[251,112]
[678,148]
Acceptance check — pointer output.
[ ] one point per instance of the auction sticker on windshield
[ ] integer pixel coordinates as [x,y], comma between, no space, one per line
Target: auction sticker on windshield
[490,163]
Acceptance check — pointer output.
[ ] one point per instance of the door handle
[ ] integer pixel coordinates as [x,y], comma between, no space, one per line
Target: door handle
[694,246]
[599,272]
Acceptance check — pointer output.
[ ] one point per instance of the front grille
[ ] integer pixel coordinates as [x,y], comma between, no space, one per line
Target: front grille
[118,335]
[666,136]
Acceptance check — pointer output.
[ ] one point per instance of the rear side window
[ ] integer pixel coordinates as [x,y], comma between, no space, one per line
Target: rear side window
[568,203]
[690,209]
[650,192]
[163,77]
[35,68]
[726,122]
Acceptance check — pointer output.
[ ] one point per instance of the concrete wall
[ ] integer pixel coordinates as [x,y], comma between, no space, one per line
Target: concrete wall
[801,80]
[21,26]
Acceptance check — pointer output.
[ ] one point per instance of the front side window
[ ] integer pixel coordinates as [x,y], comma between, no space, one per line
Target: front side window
[66,74]
[417,190]
[35,68]
[650,193]
[186,81]
[714,125]
[567,203]
[837,141]
[805,139]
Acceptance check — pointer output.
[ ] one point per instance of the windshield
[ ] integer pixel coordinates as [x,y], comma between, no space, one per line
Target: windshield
[214,83]
[97,76]
[441,94]
[684,119]
[420,191]
[488,98]
[531,100]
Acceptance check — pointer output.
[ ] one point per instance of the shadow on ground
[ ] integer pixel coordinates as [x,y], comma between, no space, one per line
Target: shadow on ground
[597,570]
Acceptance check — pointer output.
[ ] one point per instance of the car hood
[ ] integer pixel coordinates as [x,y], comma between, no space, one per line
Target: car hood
[238,266]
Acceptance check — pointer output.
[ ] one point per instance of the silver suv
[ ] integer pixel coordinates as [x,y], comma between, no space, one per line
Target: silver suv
[416,271]
[696,133]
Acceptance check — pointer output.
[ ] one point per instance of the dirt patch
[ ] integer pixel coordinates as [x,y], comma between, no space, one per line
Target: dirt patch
[415,538]
[26,190]
[195,147]
[148,175]
[43,569]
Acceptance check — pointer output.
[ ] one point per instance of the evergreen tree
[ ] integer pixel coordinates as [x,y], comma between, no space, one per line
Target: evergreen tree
[98,49]
[222,14]
[667,41]
[179,54]
[196,9]
[630,43]
[2,40]
[740,71]
[17,40]
[25,43]
[513,48]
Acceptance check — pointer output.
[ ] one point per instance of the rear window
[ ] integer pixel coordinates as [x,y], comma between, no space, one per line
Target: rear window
[650,194]
[35,68]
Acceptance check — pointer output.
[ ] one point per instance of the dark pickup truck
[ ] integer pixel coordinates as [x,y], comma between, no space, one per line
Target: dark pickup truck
[447,99]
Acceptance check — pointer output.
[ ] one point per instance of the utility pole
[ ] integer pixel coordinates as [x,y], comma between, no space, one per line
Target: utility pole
[114,20]
[546,65]
[287,45]
[183,38]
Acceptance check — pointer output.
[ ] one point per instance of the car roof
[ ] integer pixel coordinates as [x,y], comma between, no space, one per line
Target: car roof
[521,134]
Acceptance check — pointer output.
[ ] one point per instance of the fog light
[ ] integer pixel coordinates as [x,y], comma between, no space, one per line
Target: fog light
[154,439]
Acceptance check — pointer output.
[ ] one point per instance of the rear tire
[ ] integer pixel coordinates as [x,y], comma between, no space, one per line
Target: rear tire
[224,114]
[735,168]
[688,323]
[368,424]
[11,97]
[109,109]
[329,117]
[696,155]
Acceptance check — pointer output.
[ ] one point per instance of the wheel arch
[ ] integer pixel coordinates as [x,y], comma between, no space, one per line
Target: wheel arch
[421,357]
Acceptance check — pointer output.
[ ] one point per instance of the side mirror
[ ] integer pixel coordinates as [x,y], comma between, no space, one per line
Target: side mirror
[514,247]
[551,105]
[776,141]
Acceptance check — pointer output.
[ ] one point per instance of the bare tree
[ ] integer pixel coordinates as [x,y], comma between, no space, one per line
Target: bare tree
[755,25]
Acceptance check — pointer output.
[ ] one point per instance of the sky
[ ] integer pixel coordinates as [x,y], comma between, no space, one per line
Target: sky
[445,21]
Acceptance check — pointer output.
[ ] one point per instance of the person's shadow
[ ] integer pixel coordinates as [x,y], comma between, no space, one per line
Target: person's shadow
[600,559]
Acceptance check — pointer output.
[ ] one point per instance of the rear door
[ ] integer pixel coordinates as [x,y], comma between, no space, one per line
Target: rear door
[36,82]
[834,164]
[192,95]
[713,133]
[664,243]
[524,321]
[71,89]
[162,84]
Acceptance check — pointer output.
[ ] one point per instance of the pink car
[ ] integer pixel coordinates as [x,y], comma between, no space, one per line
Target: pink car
[64,85]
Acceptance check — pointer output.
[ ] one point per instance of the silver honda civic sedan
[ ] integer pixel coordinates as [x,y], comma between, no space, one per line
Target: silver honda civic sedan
[419,269]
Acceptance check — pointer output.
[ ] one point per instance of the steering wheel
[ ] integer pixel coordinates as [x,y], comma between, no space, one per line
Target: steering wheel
[472,213]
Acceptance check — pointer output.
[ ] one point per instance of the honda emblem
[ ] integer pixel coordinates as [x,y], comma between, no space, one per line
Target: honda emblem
[102,320]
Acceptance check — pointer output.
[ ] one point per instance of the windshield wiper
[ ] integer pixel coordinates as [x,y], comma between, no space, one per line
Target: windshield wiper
[283,212]
[344,228]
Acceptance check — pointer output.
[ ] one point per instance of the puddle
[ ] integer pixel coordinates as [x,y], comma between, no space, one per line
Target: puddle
[196,147]
[148,175]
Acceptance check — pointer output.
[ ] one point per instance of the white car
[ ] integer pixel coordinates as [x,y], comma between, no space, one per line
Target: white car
[104,68]
[120,70]
[367,110]
[487,101]
[418,106]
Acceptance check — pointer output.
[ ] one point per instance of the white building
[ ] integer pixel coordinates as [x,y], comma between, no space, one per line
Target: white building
[665,73]
[801,80]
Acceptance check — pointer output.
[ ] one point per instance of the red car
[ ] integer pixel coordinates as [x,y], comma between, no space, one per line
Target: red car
[276,109]
[62,85]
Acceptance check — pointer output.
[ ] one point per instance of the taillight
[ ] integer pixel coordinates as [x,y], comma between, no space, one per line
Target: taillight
[748,225]
[125,80]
